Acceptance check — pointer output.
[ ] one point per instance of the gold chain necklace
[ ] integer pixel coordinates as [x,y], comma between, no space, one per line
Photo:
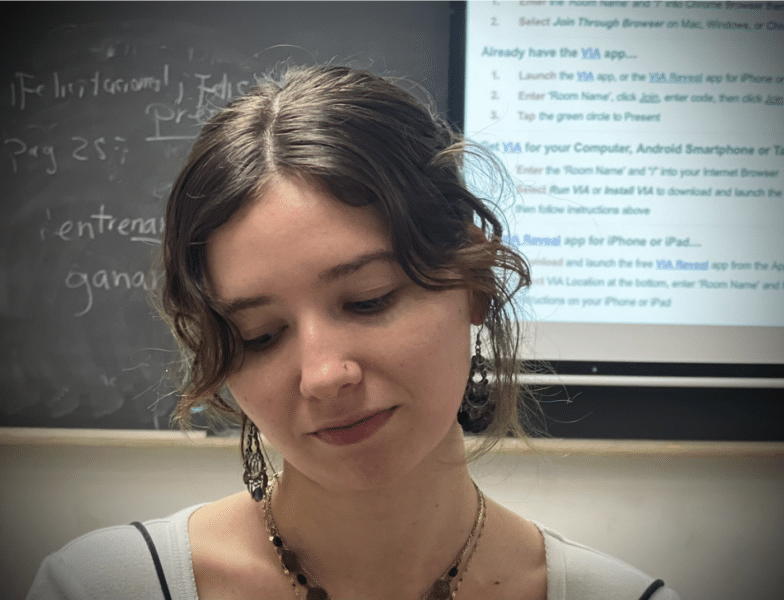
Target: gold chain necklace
[441,589]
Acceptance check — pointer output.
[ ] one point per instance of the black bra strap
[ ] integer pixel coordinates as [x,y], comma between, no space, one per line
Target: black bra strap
[652,589]
[155,559]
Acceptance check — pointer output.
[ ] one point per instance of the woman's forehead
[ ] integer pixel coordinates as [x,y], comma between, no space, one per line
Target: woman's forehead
[291,226]
[287,208]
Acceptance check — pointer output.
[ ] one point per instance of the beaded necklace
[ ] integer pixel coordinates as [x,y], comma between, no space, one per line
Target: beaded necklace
[441,589]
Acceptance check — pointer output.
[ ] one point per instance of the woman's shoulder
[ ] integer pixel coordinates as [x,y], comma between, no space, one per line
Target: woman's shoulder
[231,557]
[578,571]
[116,562]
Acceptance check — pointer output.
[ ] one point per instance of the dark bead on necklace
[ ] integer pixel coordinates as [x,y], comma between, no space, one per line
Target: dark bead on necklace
[317,594]
[452,571]
[258,494]
[301,579]
[276,541]
[441,590]
[290,560]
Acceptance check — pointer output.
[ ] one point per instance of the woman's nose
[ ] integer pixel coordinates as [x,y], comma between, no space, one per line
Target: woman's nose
[327,366]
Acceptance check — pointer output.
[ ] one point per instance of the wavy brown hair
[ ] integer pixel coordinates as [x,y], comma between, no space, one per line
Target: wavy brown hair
[365,141]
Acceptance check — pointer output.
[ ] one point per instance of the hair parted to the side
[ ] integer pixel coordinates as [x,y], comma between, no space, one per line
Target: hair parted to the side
[365,141]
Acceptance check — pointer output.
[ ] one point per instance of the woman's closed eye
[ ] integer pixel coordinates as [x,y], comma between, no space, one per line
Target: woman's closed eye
[263,342]
[372,306]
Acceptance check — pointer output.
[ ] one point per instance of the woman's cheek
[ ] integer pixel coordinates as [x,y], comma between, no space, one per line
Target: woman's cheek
[239,387]
[262,401]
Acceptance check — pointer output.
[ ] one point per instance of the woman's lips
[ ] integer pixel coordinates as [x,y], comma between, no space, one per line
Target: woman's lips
[355,432]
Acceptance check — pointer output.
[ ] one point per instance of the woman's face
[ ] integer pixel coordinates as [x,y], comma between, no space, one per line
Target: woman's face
[352,371]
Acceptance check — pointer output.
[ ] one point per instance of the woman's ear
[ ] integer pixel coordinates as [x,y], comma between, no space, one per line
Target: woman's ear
[479,307]
[480,303]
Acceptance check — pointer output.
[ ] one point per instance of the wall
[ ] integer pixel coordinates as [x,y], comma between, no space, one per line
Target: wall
[711,526]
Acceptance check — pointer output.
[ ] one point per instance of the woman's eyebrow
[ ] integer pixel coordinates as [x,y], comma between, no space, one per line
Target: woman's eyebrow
[329,275]
[347,268]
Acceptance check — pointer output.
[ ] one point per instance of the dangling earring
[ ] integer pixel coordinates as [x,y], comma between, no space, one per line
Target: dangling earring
[472,414]
[255,475]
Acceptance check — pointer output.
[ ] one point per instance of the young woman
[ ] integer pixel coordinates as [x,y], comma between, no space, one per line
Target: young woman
[324,263]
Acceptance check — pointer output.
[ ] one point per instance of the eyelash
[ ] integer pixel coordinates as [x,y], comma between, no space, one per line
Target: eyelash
[372,306]
[260,343]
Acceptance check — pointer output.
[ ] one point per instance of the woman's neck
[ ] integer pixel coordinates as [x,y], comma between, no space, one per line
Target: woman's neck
[393,542]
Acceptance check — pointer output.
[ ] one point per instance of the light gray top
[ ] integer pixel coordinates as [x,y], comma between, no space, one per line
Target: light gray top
[114,562]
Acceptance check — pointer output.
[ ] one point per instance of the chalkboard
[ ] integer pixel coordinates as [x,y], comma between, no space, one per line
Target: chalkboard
[100,103]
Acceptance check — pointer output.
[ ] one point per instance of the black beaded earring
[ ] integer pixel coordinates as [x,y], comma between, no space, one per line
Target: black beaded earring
[475,411]
[255,474]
